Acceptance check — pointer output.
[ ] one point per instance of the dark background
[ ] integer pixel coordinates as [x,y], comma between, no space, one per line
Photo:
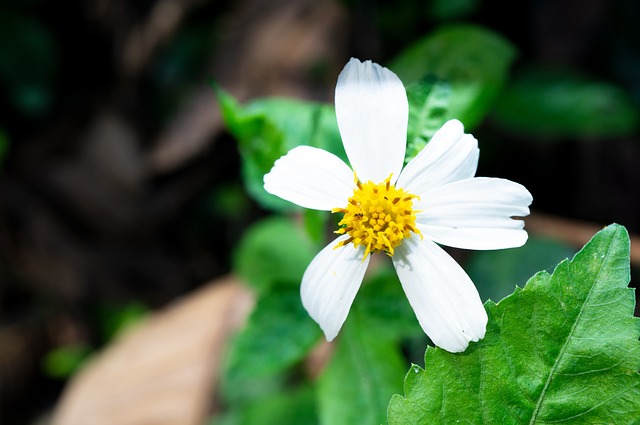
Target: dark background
[120,189]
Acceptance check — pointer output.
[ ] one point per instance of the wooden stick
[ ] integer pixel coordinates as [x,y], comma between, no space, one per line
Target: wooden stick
[573,232]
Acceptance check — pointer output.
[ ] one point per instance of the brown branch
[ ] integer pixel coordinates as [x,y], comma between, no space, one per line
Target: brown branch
[573,232]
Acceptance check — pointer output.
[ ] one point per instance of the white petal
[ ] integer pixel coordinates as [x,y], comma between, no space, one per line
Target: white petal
[312,178]
[441,294]
[475,214]
[372,112]
[330,284]
[451,155]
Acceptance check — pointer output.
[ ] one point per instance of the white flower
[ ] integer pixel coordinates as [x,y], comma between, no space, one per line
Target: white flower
[401,212]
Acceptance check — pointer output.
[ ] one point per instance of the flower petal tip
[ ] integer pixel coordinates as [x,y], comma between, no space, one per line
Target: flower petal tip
[330,336]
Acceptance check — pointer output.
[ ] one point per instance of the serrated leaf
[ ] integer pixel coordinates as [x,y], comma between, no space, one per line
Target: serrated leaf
[563,350]
[553,103]
[274,250]
[361,376]
[428,103]
[278,334]
[268,128]
[473,60]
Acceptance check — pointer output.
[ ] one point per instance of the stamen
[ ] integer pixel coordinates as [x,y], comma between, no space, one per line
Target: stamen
[343,243]
[377,223]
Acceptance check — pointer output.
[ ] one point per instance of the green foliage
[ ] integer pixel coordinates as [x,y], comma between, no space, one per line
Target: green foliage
[116,319]
[451,9]
[229,201]
[383,305]
[295,407]
[4,146]
[279,334]
[272,258]
[428,104]
[266,129]
[64,361]
[315,223]
[564,350]
[549,103]
[473,60]
[363,373]
[496,273]
[274,250]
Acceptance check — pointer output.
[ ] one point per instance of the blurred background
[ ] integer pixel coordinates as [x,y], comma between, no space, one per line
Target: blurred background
[120,189]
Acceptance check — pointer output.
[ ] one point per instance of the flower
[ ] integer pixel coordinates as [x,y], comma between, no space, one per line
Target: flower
[404,213]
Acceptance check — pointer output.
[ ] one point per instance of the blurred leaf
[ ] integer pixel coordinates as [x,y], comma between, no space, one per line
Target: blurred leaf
[293,407]
[63,362]
[184,56]
[452,9]
[383,306]
[28,57]
[473,60]
[116,319]
[275,250]
[266,129]
[363,373]
[428,104]
[4,146]
[278,334]
[238,394]
[496,273]
[260,143]
[564,350]
[229,200]
[563,104]
[315,223]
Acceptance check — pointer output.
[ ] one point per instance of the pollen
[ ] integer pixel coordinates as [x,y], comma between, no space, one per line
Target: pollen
[378,217]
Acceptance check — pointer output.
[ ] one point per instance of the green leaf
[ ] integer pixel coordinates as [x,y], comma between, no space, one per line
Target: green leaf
[315,223]
[384,308]
[473,60]
[274,250]
[496,273]
[293,407]
[562,350]
[363,373]
[260,143]
[428,104]
[557,104]
[268,128]
[279,334]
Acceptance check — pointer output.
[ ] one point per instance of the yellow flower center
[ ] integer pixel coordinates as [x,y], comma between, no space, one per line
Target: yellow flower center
[378,217]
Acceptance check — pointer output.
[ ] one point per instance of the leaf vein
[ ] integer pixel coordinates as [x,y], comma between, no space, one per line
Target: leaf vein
[568,339]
